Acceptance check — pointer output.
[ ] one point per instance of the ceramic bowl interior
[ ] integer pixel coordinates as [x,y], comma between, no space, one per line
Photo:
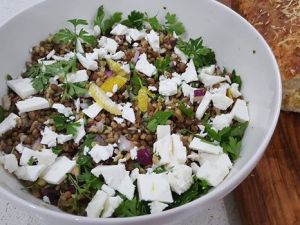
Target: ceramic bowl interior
[237,45]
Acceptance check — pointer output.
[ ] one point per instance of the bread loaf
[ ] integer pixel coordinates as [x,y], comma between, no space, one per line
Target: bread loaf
[279,22]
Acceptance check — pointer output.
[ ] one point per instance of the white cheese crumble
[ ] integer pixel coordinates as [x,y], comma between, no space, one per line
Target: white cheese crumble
[240,111]
[128,113]
[108,44]
[93,110]
[56,172]
[154,187]
[144,66]
[153,40]
[222,121]
[96,205]
[180,178]
[119,29]
[190,73]
[203,106]
[101,153]
[32,104]
[183,57]
[221,101]
[157,207]
[78,76]
[167,87]
[23,87]
[66,111]
[201,146]
[8,123]
[86,63]
[80,131]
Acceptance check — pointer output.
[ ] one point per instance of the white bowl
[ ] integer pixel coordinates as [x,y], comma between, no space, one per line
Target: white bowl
[237,45]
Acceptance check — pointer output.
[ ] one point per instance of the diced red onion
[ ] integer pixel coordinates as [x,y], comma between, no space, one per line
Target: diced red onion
[125,144]
[108,73]
[99,139]
[135,57]
[199,92]
[144,157]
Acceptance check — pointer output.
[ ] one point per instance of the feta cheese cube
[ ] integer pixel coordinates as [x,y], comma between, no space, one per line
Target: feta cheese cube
[152,88]
[221,159]
[10,162]
[133,153]
[112,174]
[240,111]
[176,78]
[201,146]
[78,76]
[48,137]
[80,132]
[117,56]
[153,40]
[119,29]
[134,174]
[79,47]
[210,80]
[209,69]
[203,106]
[88,64]
[100,153]
[119,120]
[32,104]
[125,67]
[30,173]
[154,187]
[180,178]
[56,172]
[62,138]
[102,52]
[190,73]
[222,89]
[45,157]
[188,91]
[50,54]
[23,87]
[111,204]
[222,121]
[179,150]
[167,87]
[128,113]
[234,89]
[136,35]
[67,111]
[8,123]
[157,207]
[93,110]
[221,102]
[211,172]
[96,205]
[162,131]
[109,44]
[163,147]
[144,66]
[183,57]
[108,190]
[126,187]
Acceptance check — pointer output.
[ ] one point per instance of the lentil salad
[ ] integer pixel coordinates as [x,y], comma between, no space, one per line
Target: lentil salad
[122,119]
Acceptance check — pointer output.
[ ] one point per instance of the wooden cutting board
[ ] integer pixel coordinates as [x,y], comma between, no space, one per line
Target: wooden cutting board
[271,194]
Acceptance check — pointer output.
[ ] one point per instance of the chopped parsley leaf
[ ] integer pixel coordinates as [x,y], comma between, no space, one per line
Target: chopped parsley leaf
[62,123]
[236,79]
[188,112]
[132,207]
[201,55]
[135,20]
[173,25]
[159,118]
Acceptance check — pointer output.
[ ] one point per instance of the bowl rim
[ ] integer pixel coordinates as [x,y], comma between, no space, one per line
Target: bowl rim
[214,194]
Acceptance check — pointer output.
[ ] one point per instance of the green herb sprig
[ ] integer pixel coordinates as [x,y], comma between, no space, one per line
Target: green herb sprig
[194,49]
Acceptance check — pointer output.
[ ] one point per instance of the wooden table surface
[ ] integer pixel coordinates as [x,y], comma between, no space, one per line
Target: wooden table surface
[271,194]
